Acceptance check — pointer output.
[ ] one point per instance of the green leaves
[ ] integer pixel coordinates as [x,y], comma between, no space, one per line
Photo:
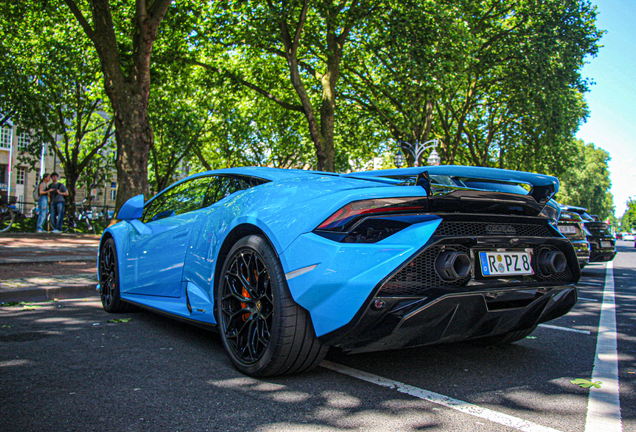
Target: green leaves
[586,383]
[119,320]
[586,182]
[25,305]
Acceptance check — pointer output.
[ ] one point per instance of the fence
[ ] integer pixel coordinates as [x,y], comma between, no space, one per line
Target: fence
[94,212]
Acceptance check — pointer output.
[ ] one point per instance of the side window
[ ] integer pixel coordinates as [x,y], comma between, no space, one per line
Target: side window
[223,186]
[179,199]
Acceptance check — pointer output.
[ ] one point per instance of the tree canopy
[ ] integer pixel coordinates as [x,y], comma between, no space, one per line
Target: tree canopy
[330,84]
[586,182]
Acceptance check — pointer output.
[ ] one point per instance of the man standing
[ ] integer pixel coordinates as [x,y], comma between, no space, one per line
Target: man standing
[57,193]
[43,202]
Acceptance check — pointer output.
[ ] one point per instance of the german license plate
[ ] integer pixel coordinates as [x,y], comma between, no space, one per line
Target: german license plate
[505,263]
[606,244]
[567,229]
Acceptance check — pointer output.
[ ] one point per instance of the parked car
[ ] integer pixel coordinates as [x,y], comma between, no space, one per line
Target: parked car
[571,226]
[628,237]
[287,263]
[602,242]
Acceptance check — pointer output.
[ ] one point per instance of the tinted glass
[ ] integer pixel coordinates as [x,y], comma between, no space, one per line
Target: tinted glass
[180,199]
[224,186]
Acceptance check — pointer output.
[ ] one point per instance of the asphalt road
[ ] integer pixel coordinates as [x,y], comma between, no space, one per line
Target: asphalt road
[64,366]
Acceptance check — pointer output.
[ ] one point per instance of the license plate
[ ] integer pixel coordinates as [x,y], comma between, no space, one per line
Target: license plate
[606,244]
[567,229]
[505,263]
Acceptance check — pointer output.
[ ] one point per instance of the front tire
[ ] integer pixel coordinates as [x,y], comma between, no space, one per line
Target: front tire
[263,330]
[109,279]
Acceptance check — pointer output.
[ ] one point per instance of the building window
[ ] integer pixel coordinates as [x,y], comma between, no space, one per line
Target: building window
[23,140]
[5,136]
[20,176]
[113,194]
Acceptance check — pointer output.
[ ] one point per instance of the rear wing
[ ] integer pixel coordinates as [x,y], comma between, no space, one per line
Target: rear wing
[453,187]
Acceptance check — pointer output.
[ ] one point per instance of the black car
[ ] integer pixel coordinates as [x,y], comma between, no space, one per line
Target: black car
[602,242]
[571,226]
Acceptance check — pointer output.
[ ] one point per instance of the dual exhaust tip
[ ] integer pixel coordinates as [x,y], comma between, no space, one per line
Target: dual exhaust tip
[452,266]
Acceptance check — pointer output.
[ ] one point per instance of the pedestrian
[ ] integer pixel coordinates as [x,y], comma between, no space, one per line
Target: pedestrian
[43,202]
[57,193]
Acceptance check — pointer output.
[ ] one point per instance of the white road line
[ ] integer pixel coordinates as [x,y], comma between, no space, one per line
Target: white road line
[564,329]
[604,405]
[436,398]
[587,299]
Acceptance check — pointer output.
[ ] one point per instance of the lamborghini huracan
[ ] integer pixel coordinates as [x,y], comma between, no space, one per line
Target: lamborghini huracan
[285,264]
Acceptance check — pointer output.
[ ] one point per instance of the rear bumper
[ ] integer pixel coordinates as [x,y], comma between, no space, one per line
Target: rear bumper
[602,255]
[452,317]
[582,249]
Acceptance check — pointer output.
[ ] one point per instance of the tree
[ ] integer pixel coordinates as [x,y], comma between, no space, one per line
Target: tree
[586,182]
[124,44]
[628,221]
[57,97]
[498,82]
[307,40]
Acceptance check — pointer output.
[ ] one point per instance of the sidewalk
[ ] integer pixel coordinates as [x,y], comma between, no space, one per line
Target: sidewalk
[40,267]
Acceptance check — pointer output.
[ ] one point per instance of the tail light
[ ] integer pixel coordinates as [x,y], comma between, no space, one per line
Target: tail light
[369,221]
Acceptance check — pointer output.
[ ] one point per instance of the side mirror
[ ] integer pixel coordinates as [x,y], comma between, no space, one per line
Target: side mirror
[132,209]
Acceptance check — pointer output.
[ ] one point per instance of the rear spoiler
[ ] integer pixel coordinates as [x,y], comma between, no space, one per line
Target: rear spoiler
[543,187]
[451,187]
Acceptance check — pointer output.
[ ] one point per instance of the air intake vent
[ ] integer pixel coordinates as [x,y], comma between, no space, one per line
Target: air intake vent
[478,229]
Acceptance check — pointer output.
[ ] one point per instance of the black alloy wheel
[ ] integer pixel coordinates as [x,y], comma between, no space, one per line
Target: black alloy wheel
[247,306]
[109,279]
[263,330]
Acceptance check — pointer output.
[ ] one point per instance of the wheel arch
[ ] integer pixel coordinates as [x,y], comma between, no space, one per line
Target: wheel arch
[237,233]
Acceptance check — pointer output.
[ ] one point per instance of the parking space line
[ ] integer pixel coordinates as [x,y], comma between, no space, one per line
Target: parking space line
[439,399]
[553,327]
[604,406]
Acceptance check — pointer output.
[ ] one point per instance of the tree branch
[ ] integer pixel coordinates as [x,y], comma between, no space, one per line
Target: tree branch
[259,90]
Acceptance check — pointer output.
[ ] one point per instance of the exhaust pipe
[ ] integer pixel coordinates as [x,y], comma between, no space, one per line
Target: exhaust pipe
[452,265]
[552,262]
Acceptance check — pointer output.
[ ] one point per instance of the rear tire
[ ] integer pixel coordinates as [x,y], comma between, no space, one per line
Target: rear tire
[504,339]
[263,330]
[109,279]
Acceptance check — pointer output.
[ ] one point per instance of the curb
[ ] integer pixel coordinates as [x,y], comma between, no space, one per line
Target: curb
[41,259]
[39,294]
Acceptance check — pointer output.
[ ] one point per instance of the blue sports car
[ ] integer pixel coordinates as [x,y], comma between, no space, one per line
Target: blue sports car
[287,263]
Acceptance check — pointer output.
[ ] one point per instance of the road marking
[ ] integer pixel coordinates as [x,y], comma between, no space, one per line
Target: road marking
[604,405]
[587,299]
[564,329]
[439,399]
[591,283]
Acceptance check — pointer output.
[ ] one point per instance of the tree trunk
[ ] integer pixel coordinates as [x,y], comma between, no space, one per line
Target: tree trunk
[71,186]
[127,86]
[134,140]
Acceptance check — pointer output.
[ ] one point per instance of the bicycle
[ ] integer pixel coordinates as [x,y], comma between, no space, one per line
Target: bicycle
[6,217]
[72,222]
